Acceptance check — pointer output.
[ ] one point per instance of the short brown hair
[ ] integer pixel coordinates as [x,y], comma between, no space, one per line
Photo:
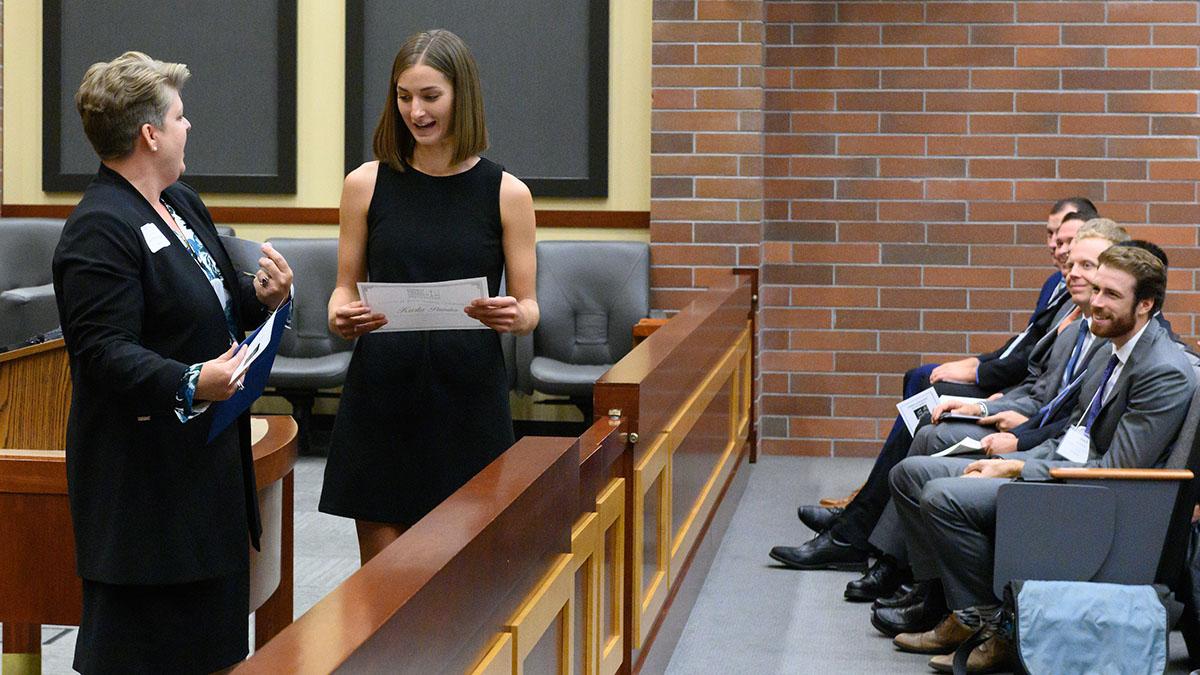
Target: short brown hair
[116,98]
[1149,275]
[446,53]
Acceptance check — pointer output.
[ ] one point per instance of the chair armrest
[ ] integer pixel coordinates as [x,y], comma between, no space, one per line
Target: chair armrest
[1120,474]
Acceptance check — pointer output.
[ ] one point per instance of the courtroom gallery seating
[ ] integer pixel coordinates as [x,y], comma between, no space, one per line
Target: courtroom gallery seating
[27,305]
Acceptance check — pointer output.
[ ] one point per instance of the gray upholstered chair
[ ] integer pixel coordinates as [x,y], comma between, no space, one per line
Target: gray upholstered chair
[591,293]
[27,306]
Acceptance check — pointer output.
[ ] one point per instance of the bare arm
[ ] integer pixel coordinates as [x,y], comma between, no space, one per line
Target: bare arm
[517,312]
[348,316]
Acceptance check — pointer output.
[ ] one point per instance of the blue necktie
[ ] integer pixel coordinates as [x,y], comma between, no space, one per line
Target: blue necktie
[1069,371]
[1047,411]
[1098,400]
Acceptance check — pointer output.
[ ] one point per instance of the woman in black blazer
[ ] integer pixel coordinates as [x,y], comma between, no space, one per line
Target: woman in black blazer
[150,307]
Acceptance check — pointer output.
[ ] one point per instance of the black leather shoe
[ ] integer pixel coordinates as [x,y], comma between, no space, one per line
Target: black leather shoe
[821,553]
[880,581]
[818,518]
[902,597]
[915,618]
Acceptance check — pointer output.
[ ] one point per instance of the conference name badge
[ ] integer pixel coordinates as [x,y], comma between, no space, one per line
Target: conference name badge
[1076,446]
[154,238]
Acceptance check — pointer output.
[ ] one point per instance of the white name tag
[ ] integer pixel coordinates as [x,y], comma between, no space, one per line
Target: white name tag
[154,238]
[1076,446]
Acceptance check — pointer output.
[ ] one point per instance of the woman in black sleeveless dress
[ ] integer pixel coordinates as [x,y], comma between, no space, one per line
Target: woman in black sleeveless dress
[423,412]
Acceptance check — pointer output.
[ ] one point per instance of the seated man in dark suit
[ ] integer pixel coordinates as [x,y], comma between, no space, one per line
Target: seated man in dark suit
[1130,409]
[842,542]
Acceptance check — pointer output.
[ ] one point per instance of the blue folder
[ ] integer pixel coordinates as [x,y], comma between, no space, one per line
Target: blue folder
[254,380]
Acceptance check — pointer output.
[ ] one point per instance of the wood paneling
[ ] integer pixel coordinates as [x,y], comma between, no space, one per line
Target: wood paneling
[35,397]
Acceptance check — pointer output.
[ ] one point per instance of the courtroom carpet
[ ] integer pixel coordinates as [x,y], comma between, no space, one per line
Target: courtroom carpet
[750,616]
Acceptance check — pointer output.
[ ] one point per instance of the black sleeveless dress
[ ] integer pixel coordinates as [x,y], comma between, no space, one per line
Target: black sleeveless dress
[422,412]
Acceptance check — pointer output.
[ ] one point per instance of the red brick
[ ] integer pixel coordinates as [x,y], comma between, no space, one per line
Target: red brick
[1001,299]
[869,275]
[750,120]
[969,101]
[971,277]
[936,211]
[1105,125]
[797,361]
[972,146]
[752,31]
[880,189]
[738,143]
[1009,212]
[690,254]
[693,76]
[670,277]
[835,296]
[1105,79]
[1060,57]
[671,187]
[795,447]
[828,210]
[1061,12]
[1010,168]
[857,406]
[848,319]
[692,209]
[805,57]
[879,12]
[845,123]
[1151,12]
[867,362]
[834,78]
[801,12]
[800,100]
[1123,212]
[1183,214]
[1060,146]
[1151,57]
[880,145]
[1108,169]
[839,34]
[791,188]
[1176,79]
[674,9]
[787,317]
[693,165]
[926,79]
[1175,170]
[749,165]
[919,298]
[970,12]
[958,320]
[662,99]
[694,120]
[877,232]
[920,123]
[728,54]
[852,427]
[924,34]
[1166,236]
[1177,35]
[1023,34]
[1152,103]
[673,54]
[833,166]
[693,31]
[729,188]
[1105,34]
[1054,190]
[671,143]
[1152,147]
[1004,78]
[922,342]
[673,299]
[795,405]
[968,189]
[1014,124]
[1048,102]
[835,383]
[880,56]
[742,99]
[798,144]
[738,10]
[971,56]
[670,232]
[926,168]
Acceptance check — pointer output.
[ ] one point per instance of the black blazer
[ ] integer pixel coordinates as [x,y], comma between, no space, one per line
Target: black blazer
[151,501]
[997,374]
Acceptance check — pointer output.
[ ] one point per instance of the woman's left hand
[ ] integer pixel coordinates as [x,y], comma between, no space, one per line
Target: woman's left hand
[503,314]
[273,280]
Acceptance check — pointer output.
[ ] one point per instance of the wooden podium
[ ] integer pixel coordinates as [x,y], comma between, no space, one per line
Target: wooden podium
[38,582]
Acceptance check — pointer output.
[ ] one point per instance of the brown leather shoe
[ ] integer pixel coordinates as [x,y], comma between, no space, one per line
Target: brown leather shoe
[995,655]
[943,639]
[838,503]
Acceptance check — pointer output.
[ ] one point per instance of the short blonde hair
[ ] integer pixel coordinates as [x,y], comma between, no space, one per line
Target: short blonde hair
[1102,228]
[116,98]
[446,53]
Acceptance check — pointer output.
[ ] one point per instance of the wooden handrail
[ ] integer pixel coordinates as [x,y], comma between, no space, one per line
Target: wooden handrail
[1071,473]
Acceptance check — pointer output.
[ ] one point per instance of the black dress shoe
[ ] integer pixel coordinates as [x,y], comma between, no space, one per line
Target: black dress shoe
[880,581]
[818,518]
[902,597]
[821,553]
[918,617]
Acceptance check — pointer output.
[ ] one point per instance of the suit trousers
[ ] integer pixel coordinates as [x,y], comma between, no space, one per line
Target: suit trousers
[949,526]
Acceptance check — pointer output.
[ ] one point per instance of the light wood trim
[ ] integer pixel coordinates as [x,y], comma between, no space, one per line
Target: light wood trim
[690,411]
[585,545]
[550,601]
[648,599]
[499,658]
[1120,474]
[610,506]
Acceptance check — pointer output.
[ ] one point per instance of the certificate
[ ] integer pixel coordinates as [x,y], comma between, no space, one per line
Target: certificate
[430,306]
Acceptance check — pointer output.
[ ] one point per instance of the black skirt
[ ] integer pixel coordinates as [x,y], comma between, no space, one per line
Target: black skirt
[197,627]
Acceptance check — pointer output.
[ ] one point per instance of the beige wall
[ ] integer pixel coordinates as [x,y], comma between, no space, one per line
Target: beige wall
[320,120]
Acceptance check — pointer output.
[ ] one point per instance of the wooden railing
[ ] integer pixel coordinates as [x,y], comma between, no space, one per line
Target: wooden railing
[564,555]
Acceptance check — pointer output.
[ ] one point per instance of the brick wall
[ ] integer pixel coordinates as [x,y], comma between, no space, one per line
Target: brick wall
[911,151]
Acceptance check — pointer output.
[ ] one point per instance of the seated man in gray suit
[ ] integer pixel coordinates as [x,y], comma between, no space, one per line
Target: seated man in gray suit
[1130,409]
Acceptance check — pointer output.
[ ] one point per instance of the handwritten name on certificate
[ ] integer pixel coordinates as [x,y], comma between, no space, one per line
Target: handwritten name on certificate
[429,306]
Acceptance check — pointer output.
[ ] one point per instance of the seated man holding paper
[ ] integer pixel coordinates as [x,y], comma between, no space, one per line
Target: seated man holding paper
[1130,409]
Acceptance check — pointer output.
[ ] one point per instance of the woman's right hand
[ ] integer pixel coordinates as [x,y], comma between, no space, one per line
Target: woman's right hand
[354,319]
[213,383]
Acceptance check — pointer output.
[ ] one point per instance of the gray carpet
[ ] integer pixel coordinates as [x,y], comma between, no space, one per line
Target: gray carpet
[753,616]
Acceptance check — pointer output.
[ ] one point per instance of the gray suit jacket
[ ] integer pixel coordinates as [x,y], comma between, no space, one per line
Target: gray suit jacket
[1037,391]
[1138,423]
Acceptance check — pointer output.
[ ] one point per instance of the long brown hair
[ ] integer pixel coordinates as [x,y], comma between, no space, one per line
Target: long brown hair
[446,53]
